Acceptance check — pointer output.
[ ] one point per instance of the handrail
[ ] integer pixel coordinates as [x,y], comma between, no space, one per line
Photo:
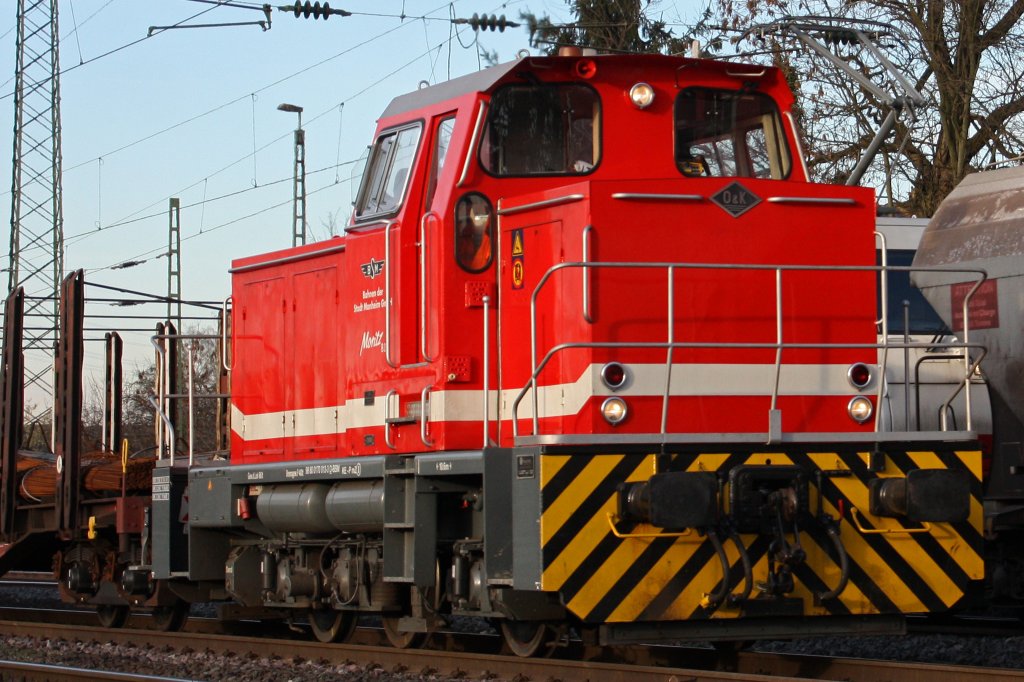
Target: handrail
[387,422]
[472,143]
[884,322]
[966,387]
[779,345]
[917,380]
[855,515]
[778,338]
[906,374]
[164,396]
[224,334]
[649,196]
[487,371]
[425,416]
[387,293]
[613,519]
[746,74]
[671,335]
[814,201]
[968,369]
[191,406]
[588,231]
[159,371]
[170,428]
[423,284]
[543,203]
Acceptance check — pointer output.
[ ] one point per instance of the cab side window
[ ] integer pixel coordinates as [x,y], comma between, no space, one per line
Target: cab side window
[387,172]
[442,140]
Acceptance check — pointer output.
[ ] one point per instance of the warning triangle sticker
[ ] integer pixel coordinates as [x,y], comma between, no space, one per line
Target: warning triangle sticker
[517,243]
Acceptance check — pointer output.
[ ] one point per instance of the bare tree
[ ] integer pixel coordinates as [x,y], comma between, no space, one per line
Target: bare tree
[962,54]
[618,26]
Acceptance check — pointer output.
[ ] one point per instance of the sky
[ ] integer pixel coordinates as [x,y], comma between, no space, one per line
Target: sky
[192,114]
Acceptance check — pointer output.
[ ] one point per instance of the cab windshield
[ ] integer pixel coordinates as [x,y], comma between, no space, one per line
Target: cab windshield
[729,133]
[542,130]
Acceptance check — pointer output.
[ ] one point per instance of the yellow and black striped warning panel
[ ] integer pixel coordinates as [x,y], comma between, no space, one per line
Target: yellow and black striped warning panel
[608,569]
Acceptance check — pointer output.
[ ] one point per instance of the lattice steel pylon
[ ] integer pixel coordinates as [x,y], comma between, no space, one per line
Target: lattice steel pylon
[37,220]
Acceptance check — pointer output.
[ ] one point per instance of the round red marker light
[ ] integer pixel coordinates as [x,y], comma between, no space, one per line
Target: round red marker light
[613,375]
[859,375]
[586,68]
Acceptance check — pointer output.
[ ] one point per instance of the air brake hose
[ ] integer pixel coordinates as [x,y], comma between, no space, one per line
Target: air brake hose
[844,565]
[715,598]
[748,569]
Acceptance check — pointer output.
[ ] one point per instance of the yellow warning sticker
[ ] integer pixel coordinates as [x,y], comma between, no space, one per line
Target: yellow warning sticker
[517,272]
[517,242]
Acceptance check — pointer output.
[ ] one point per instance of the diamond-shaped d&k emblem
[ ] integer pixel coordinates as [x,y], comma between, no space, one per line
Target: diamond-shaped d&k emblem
[735,199]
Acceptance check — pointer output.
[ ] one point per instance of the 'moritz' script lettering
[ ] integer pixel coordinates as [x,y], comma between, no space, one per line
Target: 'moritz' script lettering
[372,340]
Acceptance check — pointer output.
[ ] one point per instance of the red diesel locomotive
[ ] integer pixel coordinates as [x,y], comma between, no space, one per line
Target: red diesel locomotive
[592,352]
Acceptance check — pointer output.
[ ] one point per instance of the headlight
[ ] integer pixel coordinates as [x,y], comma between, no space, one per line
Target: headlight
[641,95]
[614,410]
[860,409]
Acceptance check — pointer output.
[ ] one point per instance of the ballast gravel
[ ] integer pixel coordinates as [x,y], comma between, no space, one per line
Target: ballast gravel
[985,651]
[192,665]
[210,666]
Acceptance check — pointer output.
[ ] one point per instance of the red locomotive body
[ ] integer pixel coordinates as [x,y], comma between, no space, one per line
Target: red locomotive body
[592,351]
[597,225]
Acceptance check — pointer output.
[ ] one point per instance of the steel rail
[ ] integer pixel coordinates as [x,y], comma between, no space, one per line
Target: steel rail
[655,663]
[572,662]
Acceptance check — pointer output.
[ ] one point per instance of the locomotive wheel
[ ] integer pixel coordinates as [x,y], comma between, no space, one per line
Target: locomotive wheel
[401,640]
[529,638]
[170,618]
[112,616]
[332,626]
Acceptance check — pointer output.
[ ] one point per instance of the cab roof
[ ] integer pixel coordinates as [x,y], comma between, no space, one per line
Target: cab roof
[482,81]
[456,87]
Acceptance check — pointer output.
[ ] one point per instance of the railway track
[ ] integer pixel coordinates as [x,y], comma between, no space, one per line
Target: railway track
[574,663]
[41,672]
[472,655]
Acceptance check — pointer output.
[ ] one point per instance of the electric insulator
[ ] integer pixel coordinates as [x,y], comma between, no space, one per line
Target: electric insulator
[488,22]
[314,9]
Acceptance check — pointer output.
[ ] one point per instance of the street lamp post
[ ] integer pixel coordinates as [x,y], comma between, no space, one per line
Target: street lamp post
[299,179]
